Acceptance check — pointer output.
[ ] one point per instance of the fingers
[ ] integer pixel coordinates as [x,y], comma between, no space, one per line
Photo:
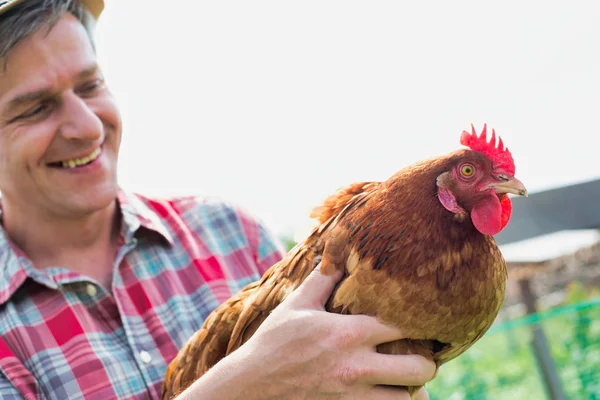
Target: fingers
[421,394]
[375,332]
[316,288]
[397,370]
[388,393]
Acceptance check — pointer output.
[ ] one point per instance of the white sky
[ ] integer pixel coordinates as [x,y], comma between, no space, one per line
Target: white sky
[275,104]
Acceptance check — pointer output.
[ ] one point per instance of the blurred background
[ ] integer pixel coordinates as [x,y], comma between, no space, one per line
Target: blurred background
[274,105]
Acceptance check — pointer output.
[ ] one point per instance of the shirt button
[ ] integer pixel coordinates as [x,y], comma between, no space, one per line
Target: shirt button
[145,356]
[91,289]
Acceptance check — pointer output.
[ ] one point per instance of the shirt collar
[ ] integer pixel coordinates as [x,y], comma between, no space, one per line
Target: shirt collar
[137,214]
[15,266]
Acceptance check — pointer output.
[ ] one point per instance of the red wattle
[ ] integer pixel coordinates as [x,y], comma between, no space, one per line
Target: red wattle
[491,215]
[506,205]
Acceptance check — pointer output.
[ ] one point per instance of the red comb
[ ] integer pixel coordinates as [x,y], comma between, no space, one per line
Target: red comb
[499,154]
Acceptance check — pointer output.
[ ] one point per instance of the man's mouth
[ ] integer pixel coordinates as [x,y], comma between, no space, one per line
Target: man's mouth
[77,162]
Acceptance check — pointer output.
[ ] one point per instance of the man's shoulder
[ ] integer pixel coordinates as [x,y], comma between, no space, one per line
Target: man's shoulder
[193,208]
[185,203]
[207,216]
[222,225]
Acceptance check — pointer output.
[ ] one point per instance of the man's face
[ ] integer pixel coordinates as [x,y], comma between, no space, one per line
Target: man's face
[60,129]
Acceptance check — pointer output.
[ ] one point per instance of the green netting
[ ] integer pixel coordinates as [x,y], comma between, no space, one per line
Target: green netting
[503,364]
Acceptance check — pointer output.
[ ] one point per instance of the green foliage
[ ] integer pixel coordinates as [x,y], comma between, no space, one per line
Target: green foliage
[502,365]
[287,242]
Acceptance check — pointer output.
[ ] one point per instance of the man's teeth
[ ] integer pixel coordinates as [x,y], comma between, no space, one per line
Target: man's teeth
[75,162]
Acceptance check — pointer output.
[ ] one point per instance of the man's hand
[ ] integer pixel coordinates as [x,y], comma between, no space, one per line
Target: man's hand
[302,351]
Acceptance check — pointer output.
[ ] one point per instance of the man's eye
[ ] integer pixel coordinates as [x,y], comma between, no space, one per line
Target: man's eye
[36,111]
[91,88]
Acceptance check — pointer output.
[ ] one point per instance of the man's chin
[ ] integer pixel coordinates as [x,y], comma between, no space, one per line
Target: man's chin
[82,203]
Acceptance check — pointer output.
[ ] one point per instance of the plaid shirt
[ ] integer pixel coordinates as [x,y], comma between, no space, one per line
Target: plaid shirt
[63,336]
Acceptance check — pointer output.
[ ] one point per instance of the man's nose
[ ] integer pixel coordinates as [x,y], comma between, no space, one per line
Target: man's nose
[80,122]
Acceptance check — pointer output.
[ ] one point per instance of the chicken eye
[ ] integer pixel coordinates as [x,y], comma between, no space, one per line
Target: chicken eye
[467,170]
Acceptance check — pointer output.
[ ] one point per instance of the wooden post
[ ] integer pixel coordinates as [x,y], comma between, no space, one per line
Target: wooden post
[540,347]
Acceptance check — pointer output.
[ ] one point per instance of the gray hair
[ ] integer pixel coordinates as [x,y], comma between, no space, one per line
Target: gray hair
[32,15]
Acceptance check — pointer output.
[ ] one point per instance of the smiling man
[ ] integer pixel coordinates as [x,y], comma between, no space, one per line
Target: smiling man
[60,139]
[100,287]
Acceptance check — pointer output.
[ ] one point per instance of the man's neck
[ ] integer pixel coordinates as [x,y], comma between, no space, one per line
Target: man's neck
[86,245]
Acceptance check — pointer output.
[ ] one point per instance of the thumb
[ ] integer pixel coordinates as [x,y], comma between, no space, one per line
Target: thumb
[317,287]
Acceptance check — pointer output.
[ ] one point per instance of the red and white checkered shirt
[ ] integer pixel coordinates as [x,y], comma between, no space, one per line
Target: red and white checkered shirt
[63,336]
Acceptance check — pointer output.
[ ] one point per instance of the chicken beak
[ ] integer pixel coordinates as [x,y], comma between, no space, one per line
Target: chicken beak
[513,185]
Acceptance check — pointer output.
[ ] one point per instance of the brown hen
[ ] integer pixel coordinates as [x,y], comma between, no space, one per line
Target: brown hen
[417,251]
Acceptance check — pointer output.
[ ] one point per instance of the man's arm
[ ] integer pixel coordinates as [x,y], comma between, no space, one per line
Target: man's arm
[305,352]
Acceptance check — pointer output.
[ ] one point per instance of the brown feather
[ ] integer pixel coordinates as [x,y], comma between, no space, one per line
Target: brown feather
[407,261]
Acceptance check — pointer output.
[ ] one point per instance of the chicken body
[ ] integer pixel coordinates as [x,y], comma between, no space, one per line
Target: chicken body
[407,260]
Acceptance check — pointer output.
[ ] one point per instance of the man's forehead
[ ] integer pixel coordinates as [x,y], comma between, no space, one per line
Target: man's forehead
[60,53]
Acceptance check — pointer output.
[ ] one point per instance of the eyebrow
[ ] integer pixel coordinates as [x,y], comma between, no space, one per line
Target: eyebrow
[32,96]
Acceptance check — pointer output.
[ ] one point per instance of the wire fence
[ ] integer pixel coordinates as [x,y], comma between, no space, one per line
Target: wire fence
[507,364]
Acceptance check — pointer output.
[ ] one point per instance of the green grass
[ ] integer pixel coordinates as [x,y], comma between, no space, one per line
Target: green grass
[502,365]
